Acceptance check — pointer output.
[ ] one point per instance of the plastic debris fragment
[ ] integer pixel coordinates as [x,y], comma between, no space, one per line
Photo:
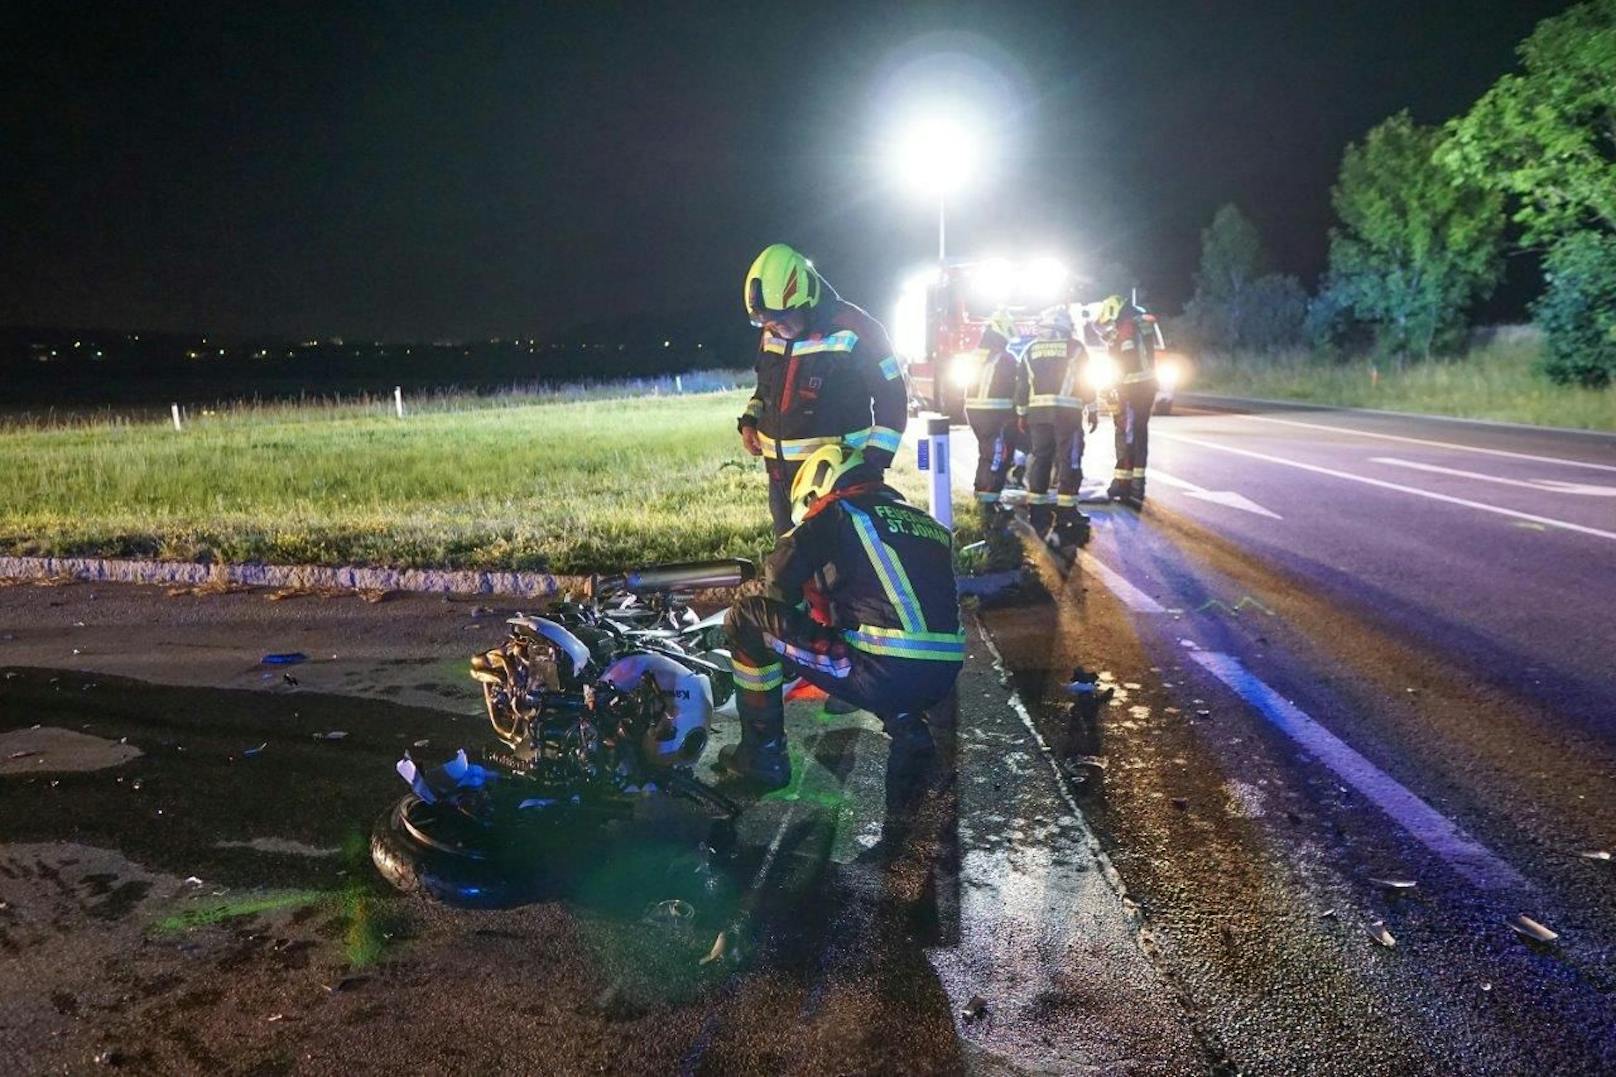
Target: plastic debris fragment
[975,1010]
[335,734]
[287,658]
[1394,884]
[1528,928]
[255,751]
[1595,854]
[1378,932]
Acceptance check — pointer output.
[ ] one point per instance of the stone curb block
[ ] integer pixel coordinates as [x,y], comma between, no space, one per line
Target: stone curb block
[308,577]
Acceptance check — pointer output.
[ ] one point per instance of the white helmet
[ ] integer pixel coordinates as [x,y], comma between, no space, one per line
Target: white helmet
[1055,322]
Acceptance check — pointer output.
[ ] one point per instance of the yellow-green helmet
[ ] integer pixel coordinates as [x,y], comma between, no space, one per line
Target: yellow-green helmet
[1003,324]
[1110,307]
[781,278]
[819,475]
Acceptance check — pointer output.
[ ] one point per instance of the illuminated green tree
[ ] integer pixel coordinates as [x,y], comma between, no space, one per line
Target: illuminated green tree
[1414,248]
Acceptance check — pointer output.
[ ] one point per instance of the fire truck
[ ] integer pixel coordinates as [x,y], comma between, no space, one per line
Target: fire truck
[941,312]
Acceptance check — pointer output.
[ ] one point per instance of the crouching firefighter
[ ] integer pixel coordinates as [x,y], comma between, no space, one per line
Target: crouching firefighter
[1052,399]
[825,375]
[990,409]
[888,638]
[1133,341]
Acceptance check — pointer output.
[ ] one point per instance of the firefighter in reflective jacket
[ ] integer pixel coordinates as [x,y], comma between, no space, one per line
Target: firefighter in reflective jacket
[990,410]
[889,640]
[1133,342]
[1052,398]
[826,375]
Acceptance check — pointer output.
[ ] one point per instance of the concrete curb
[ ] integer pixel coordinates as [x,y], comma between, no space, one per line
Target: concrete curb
[309,577]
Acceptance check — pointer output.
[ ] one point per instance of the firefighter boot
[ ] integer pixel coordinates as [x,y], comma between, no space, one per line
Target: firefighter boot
[1042,517]
[760,758]
[1136,491]
[911,762]
[1072,529]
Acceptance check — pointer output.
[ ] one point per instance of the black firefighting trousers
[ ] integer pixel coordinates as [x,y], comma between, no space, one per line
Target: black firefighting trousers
[771,641]
[1055,446]
[1132,421]
[996,437]
[781,473]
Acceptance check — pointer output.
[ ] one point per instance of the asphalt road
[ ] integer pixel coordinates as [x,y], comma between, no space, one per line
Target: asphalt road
[1354,650]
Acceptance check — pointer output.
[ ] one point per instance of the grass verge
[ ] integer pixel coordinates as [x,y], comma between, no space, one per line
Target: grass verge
[566,486]
[1499,382]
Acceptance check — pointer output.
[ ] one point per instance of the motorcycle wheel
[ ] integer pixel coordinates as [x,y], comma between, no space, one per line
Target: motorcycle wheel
[422,848]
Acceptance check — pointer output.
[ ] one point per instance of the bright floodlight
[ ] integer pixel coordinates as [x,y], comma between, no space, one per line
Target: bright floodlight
[935,154]
[993,280]
[1043,279]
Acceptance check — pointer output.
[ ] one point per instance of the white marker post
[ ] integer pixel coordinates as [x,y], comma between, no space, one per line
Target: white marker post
[679,384]
[174,410]
[398,400]
[934,458]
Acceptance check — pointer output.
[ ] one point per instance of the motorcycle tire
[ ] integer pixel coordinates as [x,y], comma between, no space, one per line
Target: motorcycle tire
[455,873]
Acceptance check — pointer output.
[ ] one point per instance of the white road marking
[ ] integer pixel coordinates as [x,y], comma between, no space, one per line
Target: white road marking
[1428,441]
[1552,486]
[1497,510]
[1430,827]
[1131,596]
[1217,497]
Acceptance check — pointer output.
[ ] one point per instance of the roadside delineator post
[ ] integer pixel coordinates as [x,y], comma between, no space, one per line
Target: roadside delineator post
[174,410]
[679,384]
[933,453]
[398,400]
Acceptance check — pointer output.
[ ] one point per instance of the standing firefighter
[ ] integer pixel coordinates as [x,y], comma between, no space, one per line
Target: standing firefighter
[1133,342]
[1051,398]
[892,644]
[826,375]
[990,409]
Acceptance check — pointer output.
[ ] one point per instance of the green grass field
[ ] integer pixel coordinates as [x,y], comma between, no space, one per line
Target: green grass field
[563,485]
[1498,382]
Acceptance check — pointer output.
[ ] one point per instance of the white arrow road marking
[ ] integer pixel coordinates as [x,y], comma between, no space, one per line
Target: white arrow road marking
[1428,441]
[1399,487]
[1430,827]
[1553,486]
[1217,497]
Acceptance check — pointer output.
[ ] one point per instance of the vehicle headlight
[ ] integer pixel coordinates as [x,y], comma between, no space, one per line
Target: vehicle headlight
[1100,372]
[962,370]
[1168,375]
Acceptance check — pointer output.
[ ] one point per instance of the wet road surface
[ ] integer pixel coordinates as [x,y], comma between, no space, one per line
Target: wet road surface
[1348,714]
[208,904]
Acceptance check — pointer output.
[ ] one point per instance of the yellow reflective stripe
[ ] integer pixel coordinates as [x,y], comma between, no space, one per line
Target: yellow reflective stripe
[890,369]
[1122,473]
[1054,400]
[884,437]
[1040,499]
[991,403]
[754,407]
[843,340]
[1066,501]
[887,570]
[987,497]
[757,678]
[1138,472]
[776,345]
[802,448]
[1021,409]
[935,646]
[1138,375]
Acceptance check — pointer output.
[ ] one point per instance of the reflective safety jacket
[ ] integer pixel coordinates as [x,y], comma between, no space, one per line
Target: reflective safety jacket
[885,569]
[1135,346]
[995,387]
[838,382]
[1050,381]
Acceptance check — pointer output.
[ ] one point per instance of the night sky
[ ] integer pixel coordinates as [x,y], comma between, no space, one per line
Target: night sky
[469,169]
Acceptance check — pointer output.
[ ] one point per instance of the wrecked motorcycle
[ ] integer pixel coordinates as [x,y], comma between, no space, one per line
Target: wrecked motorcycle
[601,704]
